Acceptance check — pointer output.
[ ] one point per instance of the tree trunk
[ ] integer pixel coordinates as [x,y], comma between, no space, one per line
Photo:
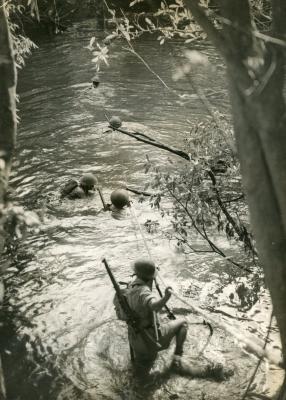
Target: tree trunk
[256,79]
[266,218]
[259,116]
[260,128]
[7,127]
[7,112]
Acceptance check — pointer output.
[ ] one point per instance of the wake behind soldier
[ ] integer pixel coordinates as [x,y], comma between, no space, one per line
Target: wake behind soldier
[145,304]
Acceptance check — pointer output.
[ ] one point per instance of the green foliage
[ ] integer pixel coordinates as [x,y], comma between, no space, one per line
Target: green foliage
[100,54]
[168,22]
[51,15]
[261,12]
[206,195]
[173,20]
[21,43]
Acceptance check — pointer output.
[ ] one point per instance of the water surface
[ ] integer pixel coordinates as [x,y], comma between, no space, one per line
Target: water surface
[64,337]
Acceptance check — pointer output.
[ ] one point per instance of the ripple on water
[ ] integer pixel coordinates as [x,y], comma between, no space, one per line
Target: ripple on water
[57,284]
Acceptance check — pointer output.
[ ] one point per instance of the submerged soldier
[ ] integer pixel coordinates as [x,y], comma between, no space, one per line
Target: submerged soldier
[145,304]
[119,200]
[74,190]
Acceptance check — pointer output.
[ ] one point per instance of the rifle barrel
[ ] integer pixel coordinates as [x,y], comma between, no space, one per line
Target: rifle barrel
[102,200]
[115,284]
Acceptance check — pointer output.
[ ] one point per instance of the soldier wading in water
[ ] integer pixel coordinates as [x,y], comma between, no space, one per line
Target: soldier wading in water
[74,190]
[149,337]
[145,304]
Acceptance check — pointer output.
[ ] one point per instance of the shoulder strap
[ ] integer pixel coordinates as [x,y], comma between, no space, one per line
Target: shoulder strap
[136,283]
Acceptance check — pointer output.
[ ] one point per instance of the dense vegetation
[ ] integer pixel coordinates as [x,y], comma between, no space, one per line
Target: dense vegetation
[55,17]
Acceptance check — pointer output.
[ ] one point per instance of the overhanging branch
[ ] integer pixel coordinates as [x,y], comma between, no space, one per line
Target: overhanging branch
[242,233]
[148,140]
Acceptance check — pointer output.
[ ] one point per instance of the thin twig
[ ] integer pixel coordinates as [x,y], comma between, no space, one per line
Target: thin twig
[259,35]
[132,50]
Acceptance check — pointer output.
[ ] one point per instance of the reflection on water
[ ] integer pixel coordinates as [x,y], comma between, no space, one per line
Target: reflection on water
[59,304]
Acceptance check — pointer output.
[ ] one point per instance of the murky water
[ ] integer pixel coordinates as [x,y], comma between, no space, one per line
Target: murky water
[61,330]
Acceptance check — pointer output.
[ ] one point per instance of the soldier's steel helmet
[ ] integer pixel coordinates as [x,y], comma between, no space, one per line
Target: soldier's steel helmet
[115,122]
[119,198]
[88,180]
[145,269]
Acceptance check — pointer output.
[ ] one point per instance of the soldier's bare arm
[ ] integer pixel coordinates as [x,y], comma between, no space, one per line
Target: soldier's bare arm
[157,305]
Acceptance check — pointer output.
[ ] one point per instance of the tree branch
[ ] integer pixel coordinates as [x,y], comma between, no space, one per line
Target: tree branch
[140,192]
[240,232]
[148,140]
[251,32]
[204,234]
[214,34]
[222,205]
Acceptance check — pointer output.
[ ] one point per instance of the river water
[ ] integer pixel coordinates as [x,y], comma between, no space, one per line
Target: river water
[61,339]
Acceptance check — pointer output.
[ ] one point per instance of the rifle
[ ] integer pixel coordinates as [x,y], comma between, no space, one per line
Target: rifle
[133,319]
[105,206]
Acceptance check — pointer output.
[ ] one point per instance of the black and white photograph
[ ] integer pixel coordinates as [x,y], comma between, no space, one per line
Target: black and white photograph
[142,199]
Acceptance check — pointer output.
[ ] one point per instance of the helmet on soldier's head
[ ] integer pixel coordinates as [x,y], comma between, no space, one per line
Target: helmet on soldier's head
[115,122]
[119,198]
[88,181]
[145,269]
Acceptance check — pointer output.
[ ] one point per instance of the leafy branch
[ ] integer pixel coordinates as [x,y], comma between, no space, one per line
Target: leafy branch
[202,232]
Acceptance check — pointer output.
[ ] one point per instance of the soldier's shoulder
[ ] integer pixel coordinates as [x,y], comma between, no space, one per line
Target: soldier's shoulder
[76,193]
[68,187]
